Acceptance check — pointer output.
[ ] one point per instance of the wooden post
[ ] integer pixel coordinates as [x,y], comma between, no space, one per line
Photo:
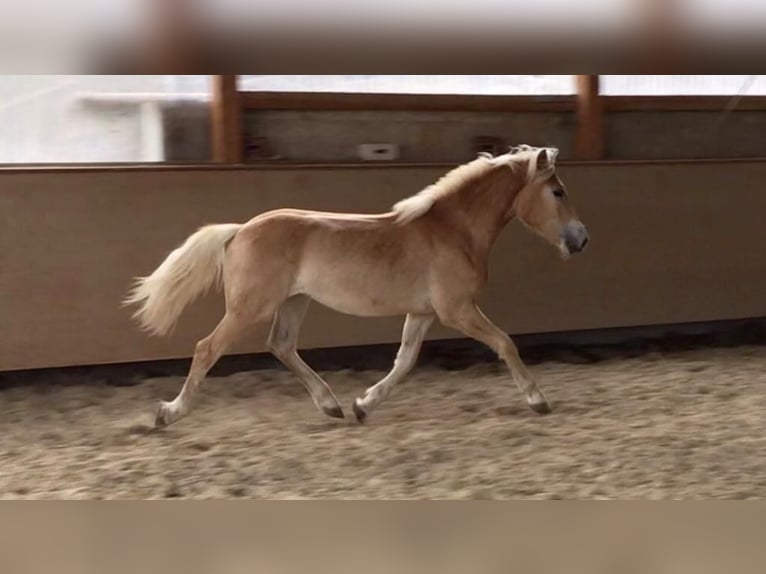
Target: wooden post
[589,138]
[226,115]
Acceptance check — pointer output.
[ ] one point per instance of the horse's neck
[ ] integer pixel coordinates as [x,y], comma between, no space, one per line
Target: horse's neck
[484,211]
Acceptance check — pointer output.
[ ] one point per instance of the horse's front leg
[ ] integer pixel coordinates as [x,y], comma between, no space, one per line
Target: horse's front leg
[468,318]
[415,329]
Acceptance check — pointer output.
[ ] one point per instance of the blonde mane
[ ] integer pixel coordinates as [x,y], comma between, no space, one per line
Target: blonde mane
[459,178]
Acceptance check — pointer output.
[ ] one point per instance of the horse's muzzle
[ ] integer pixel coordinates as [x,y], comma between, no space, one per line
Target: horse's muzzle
[575,237]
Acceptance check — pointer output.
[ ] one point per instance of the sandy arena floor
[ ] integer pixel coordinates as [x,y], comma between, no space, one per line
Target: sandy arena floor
[661,425]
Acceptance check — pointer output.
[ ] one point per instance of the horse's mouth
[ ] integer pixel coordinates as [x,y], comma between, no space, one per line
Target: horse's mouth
[564,250]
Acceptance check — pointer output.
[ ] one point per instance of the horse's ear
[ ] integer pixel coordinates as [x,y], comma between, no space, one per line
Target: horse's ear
[543,160]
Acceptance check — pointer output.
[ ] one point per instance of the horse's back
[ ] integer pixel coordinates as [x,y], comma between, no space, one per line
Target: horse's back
[308,216]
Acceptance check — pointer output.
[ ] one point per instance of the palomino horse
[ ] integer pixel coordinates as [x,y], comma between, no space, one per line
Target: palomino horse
[425,258]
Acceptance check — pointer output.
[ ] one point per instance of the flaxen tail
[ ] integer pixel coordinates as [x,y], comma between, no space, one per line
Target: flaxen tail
[186,273]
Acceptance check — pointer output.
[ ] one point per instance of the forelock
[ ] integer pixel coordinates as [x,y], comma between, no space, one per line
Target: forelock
[528,156]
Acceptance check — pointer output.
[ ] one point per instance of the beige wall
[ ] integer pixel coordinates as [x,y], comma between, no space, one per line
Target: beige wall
[670,243]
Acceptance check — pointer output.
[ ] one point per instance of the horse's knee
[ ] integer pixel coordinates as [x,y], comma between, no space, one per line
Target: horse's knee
[202,350]
[508,349]
[405,359]
[279,348]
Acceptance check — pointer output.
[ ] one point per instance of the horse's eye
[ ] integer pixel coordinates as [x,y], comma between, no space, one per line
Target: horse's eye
[559,193]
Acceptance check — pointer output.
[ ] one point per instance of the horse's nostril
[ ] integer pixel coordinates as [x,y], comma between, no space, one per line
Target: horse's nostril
[584,242]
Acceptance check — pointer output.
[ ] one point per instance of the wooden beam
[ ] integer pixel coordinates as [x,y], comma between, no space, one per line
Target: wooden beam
[589,137]
[683,103]
[226,117]
[315,101]
[318,101]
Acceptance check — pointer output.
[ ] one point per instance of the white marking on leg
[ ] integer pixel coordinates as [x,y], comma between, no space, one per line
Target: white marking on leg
[415,329]
[206,353]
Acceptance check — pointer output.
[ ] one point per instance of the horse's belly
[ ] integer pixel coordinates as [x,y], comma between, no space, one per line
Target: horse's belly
[352,304]
[366,295]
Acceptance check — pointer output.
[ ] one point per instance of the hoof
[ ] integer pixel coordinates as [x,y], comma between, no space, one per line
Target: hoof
[541,408]
[162,419]
[359,412]
[159,420]
[335,412]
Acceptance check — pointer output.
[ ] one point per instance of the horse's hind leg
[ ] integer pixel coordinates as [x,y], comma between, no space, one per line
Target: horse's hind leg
[206,353]
[415,329]
[283,342]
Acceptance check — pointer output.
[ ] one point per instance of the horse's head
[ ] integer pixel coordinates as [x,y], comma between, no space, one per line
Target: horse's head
[544,206]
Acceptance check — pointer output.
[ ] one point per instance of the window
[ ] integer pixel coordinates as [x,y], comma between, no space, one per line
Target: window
[461,85]
[683,85]
[90,119]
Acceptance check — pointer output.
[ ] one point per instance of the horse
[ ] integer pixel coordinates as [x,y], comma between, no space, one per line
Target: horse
[425,258]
